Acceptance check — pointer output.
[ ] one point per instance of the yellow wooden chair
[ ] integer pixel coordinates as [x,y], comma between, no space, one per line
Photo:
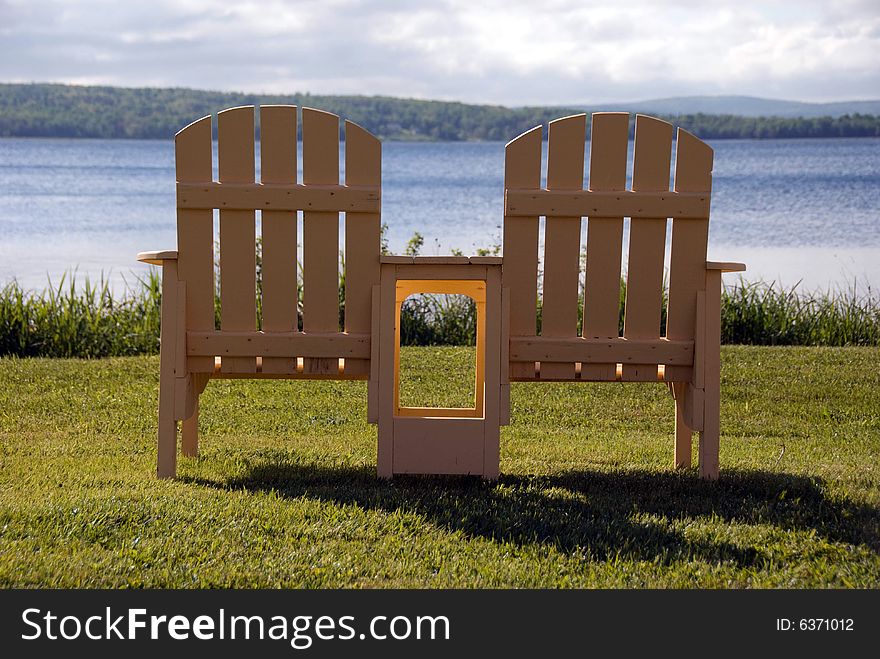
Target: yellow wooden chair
[687,357]
[192,350]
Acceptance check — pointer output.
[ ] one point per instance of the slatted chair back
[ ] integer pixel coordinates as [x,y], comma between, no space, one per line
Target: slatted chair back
[281,349]
[600,352]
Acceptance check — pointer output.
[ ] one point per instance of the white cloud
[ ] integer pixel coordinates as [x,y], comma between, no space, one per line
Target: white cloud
[512,51]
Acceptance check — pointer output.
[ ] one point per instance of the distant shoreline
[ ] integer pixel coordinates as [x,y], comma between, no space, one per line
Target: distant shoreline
[425,141]
[71,111]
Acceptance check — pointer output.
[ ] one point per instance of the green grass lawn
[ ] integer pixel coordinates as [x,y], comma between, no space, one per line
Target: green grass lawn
[285,492]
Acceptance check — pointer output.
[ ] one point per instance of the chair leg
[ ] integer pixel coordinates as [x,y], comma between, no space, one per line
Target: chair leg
[683,432]
[167,446]
[190,433]
[166,466]
[710,436]
[384,465]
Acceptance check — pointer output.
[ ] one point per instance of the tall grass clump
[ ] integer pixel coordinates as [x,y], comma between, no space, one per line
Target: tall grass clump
[71,321]
[435,320]
[766,314]
[757,313]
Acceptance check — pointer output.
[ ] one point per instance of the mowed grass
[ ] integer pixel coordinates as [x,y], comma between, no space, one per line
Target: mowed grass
[285,493]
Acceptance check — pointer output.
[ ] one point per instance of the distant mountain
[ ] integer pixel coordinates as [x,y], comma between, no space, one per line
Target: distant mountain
[743,106]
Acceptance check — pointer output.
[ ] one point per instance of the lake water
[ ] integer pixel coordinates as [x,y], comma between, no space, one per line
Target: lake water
[794,210]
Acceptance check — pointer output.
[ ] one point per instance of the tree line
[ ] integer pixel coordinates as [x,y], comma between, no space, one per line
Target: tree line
[55,110]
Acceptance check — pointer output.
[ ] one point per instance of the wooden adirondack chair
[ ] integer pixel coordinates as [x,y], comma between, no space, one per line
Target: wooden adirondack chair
[192,350]
[418,440]
[687,358]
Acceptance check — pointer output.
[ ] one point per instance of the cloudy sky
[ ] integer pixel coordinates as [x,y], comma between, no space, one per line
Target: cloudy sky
[486,51]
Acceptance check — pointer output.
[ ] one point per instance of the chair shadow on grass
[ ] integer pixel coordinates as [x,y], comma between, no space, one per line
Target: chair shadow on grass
[598,514]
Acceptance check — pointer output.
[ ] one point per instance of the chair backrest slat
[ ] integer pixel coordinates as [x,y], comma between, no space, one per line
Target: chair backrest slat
[278,161]
[522,171]
[363,166]
[608,145]
[320,133]
[687,271]
[195,234]
[562,239]
[647,236]
[363,237]
[238,269]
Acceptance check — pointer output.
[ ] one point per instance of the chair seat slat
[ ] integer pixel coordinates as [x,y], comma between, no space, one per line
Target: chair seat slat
[598,351]
[278,344]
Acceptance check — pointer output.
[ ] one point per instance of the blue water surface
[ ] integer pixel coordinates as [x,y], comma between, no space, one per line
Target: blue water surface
[794,209]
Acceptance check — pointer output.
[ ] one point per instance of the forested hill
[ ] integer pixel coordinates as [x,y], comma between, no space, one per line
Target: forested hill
[54,110]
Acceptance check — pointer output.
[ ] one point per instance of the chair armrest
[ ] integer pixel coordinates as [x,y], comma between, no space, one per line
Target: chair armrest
[158,257]
[725,266]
